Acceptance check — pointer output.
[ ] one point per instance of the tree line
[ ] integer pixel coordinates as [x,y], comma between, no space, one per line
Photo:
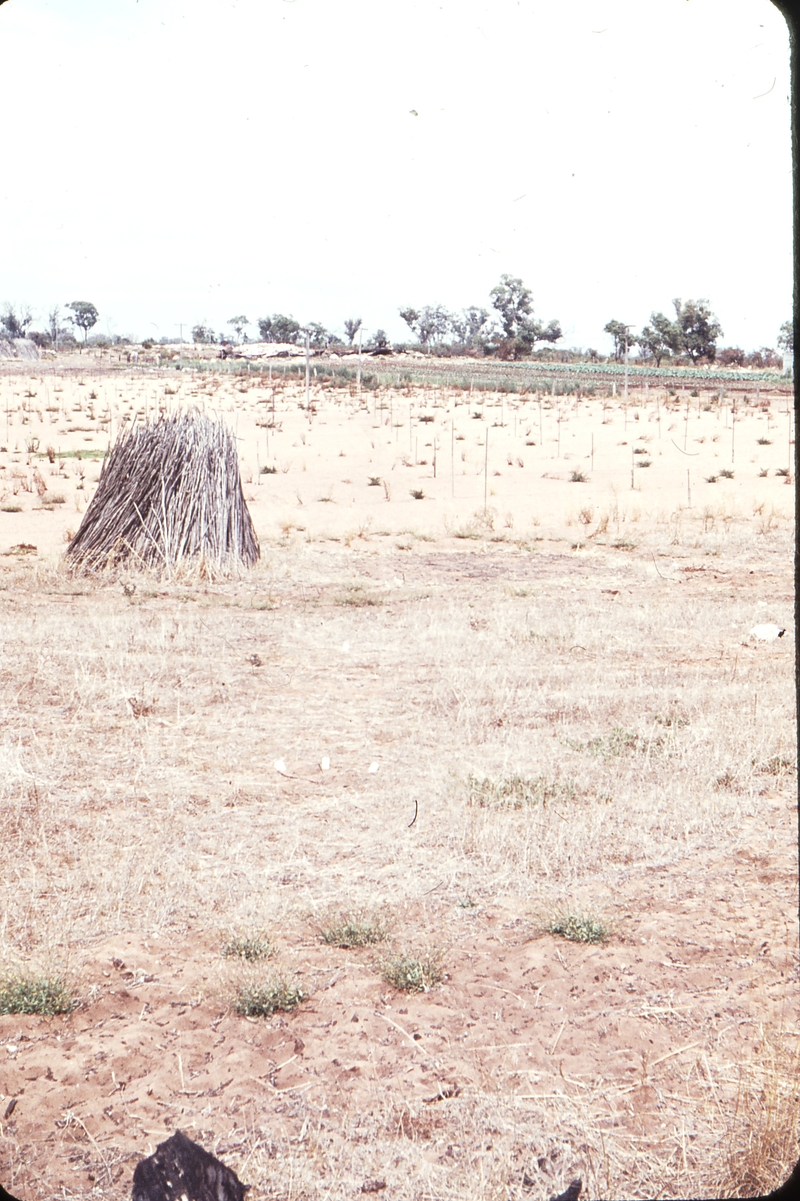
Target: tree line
[14,323]
[508,330]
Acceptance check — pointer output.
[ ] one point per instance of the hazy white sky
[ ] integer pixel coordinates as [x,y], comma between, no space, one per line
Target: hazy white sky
[180,160]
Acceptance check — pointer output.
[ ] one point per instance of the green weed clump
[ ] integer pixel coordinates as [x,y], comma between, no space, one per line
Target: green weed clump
[633,742]
[517,792]
[408,973]
[578,927]
[45,995]
[251,949]
[353,930]
[268,997]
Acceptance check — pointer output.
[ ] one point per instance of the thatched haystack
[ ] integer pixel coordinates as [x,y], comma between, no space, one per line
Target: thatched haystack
[168,492]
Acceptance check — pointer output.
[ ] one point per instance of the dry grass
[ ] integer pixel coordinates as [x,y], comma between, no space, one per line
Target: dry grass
[556,722]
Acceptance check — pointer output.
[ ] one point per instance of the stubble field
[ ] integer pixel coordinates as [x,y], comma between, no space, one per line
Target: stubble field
[534,697]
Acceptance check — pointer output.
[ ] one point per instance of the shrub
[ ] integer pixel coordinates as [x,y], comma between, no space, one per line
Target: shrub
[408,973]
[578,477]
[45,995]
[578,927]
[353,930]
[271,996]
[252,948]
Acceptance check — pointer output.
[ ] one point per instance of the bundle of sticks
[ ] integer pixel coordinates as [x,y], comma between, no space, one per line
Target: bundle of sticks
[169,491]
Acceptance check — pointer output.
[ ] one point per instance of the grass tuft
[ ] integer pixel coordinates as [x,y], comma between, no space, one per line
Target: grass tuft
[578,927]
[45,995]
[516,792]
[250,949]
[408,973]
[270,996]
[353,930]
[764,1128]
[632,742]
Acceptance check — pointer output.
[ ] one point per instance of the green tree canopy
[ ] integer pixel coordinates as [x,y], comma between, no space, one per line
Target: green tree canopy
[661,338]
[84,315]
[786,337]
[619,332]
[279,328]
[351,327]
[514,302]
[411,318]
[699,329]
[15,321]
[318,336]
[239,324]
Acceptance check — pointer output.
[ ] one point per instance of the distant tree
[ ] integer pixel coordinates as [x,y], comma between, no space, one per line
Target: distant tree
[433,323]
[619,332]
[411,318]
[351,327]
[379,341]
[731,356]
[84,316]
[278,328]
[764,357]
[239,325]
[699,329]
[786,337]
[514,302]
[592,355]
[661,338]
[15,321]
[471,326]
[318,335]
[203,333]
[55,330]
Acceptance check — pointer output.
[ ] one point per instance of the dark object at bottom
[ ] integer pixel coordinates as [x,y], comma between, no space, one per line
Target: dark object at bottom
[180,1168]
[4,1196]
[570,1193]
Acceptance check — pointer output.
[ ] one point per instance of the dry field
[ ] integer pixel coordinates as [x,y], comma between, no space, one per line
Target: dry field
[442,729]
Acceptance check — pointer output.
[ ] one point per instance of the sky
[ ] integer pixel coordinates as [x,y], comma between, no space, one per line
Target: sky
[185,161]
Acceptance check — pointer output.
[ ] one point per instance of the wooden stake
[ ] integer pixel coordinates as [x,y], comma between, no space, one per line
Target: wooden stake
[486,472]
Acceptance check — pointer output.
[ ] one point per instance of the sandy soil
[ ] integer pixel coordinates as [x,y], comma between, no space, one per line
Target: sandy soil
[441,640]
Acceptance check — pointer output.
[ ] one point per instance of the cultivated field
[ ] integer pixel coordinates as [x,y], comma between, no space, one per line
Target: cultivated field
[475,698]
